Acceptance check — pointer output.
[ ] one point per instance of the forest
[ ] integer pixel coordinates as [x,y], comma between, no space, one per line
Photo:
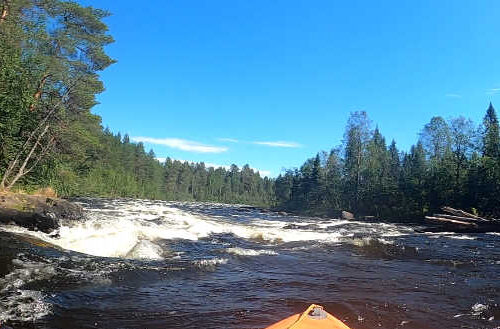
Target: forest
[454,162]
[51,54]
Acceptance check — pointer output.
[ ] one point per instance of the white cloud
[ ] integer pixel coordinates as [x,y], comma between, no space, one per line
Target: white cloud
[453,95]
[278,144]
[214,165]
[230,140]
[493,91]
[181,144]
[262,173]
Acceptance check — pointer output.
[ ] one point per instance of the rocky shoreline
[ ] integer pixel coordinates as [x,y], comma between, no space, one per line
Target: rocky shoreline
[36,212]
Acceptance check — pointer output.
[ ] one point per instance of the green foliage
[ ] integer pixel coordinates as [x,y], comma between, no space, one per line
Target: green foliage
[50,54]
[15,93]
[491,137]
[443,168]
[356,138]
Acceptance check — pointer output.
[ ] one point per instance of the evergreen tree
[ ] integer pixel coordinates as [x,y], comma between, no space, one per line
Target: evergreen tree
[316,192]
[333,184]
[376,175]
[393,202]
[491,137]
[413,182]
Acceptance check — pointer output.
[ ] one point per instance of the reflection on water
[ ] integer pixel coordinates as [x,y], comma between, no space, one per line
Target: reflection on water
[149,264]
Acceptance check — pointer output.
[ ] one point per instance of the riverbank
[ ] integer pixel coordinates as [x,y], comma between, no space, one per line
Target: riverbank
[37,212]
[421,224]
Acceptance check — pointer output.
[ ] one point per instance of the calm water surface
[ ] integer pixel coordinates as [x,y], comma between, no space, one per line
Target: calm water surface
[151,264]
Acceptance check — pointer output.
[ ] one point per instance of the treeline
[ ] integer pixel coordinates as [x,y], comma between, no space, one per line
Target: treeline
[454,162]
[51,52]
[97,162]
[193,181]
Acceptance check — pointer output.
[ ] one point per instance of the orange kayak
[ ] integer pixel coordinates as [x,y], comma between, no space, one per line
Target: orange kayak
[315,317]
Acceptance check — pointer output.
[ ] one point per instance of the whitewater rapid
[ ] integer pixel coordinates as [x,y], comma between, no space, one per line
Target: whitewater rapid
[138,263]
[131,229]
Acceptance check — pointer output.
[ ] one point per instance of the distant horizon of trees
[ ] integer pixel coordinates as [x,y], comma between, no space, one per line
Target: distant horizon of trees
[454,162]
[96,162]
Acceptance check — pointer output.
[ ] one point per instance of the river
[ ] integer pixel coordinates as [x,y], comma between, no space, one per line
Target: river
[153,264]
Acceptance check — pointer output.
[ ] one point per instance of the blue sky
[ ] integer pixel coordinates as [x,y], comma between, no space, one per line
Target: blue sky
[270,83]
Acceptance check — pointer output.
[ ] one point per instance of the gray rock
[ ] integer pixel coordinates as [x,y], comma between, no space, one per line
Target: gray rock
[37,213]
[347,215]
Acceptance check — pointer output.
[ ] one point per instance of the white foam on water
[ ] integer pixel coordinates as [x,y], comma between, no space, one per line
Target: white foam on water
[24,305]
[249,252]
[461,237]
[362,242]
[132,228]
[25,272]
[450,235]
[479,308]
[210,262]
[145,250]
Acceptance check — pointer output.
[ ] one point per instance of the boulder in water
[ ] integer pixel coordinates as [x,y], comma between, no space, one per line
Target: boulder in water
[347,215]
[36,212]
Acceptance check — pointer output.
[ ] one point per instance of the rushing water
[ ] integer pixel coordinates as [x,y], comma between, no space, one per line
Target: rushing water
[151,264]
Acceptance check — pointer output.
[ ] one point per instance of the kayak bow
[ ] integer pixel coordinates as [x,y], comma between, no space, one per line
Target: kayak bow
[315,317]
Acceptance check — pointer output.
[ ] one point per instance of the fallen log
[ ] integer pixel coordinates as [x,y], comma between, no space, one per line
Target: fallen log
[467,219]
[459,212]
[451,221]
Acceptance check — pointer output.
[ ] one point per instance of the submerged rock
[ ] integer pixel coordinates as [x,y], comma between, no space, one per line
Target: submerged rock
[36,212]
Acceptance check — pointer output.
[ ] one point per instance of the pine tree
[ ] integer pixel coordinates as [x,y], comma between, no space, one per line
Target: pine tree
[491,137]
[316,193]
[413,181]
[489,170]
[333,184]
[393,177]
[376,175]
[62,49]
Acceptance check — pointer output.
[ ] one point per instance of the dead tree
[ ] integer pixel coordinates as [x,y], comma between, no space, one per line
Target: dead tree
[37,145]
[462,221]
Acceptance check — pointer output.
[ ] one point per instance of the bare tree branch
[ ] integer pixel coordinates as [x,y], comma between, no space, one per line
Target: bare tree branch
[21,172]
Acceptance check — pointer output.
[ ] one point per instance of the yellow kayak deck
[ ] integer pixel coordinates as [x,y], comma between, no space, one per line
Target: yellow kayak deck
[315,317]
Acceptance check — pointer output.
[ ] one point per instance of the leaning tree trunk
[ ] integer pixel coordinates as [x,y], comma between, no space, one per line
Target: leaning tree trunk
[29,150]
[32,159]
[4,184]
[39,132]
[23,170]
